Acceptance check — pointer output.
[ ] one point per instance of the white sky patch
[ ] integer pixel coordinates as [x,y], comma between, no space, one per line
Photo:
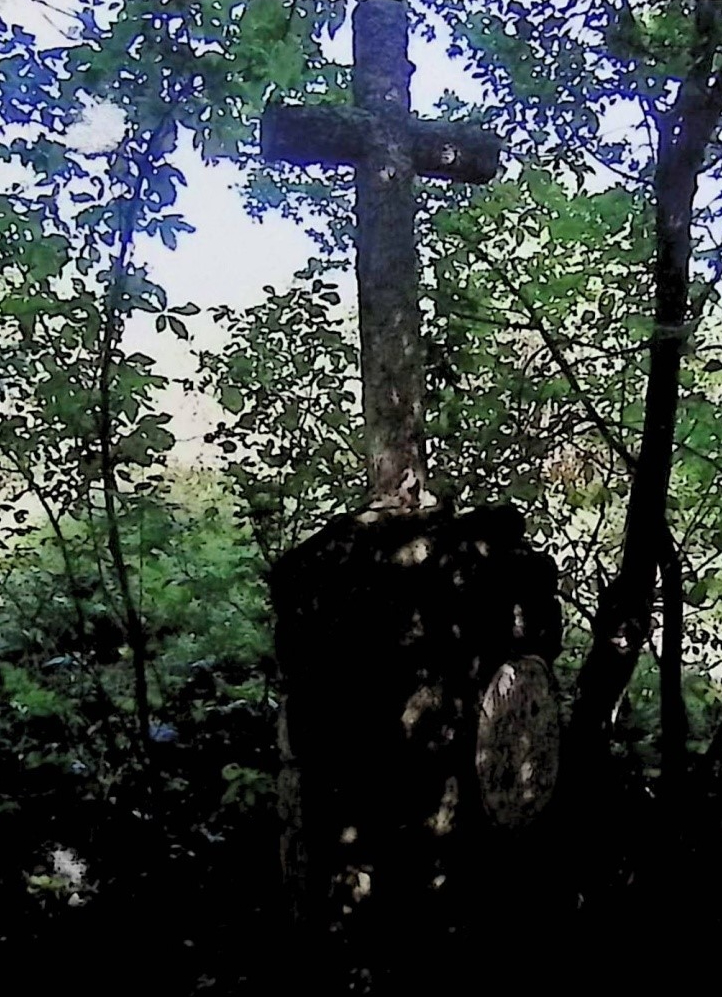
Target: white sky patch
[13,175]
[230,257]
[53,23]
[435,72]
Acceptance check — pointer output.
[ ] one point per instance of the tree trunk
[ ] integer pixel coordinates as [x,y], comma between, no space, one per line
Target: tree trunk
[623,618]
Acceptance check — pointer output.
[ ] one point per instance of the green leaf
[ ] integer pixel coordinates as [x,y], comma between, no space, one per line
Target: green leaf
[231,398]
[178,327]
[188,309]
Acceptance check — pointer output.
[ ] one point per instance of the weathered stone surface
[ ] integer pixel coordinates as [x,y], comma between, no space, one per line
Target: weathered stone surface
[517,751]
[458,150]
[388,147]
[390,630]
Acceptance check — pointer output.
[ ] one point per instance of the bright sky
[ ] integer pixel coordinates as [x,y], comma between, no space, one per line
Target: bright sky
[230,257]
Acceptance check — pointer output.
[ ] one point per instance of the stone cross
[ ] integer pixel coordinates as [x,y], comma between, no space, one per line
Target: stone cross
[388,147]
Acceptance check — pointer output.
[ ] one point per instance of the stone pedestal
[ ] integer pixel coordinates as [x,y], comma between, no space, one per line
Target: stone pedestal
[404,643]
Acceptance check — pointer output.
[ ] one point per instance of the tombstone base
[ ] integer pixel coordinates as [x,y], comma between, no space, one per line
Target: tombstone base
[392,631]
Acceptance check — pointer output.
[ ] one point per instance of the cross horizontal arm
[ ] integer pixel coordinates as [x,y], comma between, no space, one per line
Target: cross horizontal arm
[332,136]
[454,150]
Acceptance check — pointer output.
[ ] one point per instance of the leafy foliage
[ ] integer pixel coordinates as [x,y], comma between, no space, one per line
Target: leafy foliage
[289,382]
[67,732]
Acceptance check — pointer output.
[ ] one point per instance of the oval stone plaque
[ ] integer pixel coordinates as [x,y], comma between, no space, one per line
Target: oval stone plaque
[517,751]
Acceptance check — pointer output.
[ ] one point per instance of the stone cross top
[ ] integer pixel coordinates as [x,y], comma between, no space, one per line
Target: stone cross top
[388,147]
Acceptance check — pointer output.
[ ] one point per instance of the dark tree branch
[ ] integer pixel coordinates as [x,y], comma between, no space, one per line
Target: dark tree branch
[673,713]
[112,332]
[537,322]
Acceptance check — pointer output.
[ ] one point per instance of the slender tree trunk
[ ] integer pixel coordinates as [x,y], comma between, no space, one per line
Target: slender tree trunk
[624,615]
[133,622]
[674,718]
[111,336]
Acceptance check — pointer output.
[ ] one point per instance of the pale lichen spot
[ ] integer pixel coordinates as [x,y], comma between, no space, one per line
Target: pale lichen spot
[427,499]
[362,889]
[424,699]
[442,822]
[415,630]
[438,881]
[526,772]
[387,173]
[349,835]
[410,483]
[519,624]
[483,547]
[449,155]
[368,517]
[456,630]
[506,679]
[414,552]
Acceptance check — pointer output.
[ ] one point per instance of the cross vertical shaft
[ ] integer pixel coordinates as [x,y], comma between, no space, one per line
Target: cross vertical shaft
[392,361]
[388,147]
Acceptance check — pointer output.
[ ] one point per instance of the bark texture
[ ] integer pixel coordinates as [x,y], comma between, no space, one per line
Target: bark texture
[444,150]
[392,360]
